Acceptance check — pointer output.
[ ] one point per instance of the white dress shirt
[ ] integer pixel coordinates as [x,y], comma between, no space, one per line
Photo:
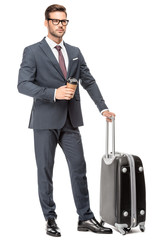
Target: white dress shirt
[52,45]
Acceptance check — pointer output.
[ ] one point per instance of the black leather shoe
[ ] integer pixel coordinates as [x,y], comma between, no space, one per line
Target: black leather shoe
[94,226]
[52,228]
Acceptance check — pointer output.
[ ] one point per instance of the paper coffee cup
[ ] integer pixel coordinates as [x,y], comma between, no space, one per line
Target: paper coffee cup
[72,83]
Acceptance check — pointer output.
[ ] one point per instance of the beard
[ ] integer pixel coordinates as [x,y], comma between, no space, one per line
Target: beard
[57,34]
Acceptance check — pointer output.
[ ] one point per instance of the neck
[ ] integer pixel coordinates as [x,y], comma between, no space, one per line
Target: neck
[55,39]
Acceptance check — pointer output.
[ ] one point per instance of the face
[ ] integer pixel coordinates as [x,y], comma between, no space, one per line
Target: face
[56,32]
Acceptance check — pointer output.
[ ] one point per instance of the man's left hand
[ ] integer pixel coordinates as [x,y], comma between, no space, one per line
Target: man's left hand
[108,115]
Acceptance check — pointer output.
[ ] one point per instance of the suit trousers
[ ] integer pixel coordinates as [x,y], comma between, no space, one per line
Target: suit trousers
[69,139]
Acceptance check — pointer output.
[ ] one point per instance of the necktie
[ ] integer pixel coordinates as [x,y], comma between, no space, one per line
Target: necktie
[61,61]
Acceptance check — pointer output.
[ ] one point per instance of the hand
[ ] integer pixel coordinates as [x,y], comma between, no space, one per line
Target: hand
[64,93]
[108,115]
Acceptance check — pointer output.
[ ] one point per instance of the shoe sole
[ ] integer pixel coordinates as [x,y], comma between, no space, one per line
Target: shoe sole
[53,235]
[82,229]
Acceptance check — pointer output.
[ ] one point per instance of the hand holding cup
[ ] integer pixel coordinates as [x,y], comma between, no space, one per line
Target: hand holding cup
[67,92]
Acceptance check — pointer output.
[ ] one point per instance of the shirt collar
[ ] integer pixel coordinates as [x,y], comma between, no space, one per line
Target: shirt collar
[52,44]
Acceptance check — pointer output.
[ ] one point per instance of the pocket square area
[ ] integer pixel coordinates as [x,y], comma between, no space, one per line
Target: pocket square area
[75,59]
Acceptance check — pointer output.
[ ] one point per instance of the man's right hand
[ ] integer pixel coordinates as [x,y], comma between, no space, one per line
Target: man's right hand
[64,93]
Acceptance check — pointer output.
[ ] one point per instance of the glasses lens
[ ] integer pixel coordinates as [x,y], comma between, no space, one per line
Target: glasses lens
[55,21]
[64,22]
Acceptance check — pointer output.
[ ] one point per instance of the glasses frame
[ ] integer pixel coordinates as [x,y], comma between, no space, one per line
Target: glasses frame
[62,21]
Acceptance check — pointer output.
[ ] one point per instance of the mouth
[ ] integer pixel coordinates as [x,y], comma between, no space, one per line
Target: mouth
[60,30]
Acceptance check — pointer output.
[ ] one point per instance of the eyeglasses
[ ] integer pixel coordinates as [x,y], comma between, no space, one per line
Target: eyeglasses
[57,21]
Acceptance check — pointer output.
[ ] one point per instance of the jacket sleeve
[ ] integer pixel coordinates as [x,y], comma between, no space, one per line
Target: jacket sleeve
[89,84]
[26,79]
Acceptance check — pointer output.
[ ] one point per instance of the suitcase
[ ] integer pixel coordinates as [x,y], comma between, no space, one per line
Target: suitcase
[122,189]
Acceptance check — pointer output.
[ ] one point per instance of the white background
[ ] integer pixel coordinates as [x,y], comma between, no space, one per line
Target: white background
[120,40]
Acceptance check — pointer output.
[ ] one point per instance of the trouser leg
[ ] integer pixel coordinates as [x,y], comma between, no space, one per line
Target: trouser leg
[45,142]
[70,141]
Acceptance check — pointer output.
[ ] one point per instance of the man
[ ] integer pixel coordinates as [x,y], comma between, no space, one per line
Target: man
[56,115]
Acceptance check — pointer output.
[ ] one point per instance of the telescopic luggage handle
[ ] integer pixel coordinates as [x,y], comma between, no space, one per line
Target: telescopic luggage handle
[110,157]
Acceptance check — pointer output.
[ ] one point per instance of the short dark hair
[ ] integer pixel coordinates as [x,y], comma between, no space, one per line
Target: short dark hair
[54,8]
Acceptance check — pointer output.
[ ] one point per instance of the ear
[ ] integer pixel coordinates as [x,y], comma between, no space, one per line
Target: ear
[46,23]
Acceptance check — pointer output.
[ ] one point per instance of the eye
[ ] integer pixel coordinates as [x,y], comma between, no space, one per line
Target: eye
[55,21]
[64,22]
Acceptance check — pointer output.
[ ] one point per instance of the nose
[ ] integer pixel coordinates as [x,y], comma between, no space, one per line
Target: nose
[60,23]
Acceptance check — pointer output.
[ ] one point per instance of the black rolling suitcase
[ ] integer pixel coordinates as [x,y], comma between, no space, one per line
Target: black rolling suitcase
[122,189]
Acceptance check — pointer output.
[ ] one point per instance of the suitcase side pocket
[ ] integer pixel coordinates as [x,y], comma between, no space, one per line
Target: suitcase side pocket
[123,192]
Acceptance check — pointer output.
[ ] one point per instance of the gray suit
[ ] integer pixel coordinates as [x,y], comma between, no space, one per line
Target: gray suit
[40,74]
[57,122]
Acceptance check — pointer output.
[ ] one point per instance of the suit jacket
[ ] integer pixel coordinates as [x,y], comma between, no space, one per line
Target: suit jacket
[39,76]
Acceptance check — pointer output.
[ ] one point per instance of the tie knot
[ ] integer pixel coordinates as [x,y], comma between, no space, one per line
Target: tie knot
[58,48]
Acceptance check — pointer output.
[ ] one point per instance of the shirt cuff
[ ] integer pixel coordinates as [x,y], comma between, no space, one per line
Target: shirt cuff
[55,95]
[104,110]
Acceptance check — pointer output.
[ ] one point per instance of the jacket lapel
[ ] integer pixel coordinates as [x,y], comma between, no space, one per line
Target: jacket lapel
[47,50]
[70,53]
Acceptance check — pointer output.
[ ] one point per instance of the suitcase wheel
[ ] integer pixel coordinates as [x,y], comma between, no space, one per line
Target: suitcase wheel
[122,228]
[122,231]
[127,229]
[142,228]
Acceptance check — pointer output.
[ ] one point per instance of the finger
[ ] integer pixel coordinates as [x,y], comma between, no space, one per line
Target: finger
[108,116]
[67,98]
[113,114]
[69,95]
[70,90]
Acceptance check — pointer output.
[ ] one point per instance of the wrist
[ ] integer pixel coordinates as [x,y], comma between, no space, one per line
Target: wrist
[104,110]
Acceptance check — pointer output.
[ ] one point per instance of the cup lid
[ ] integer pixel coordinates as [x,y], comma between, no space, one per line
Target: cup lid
[72,80]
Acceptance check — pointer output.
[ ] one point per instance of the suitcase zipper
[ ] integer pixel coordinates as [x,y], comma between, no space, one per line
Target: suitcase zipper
[133,190]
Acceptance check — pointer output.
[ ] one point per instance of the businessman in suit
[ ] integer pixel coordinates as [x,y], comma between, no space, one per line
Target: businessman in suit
[56,115]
